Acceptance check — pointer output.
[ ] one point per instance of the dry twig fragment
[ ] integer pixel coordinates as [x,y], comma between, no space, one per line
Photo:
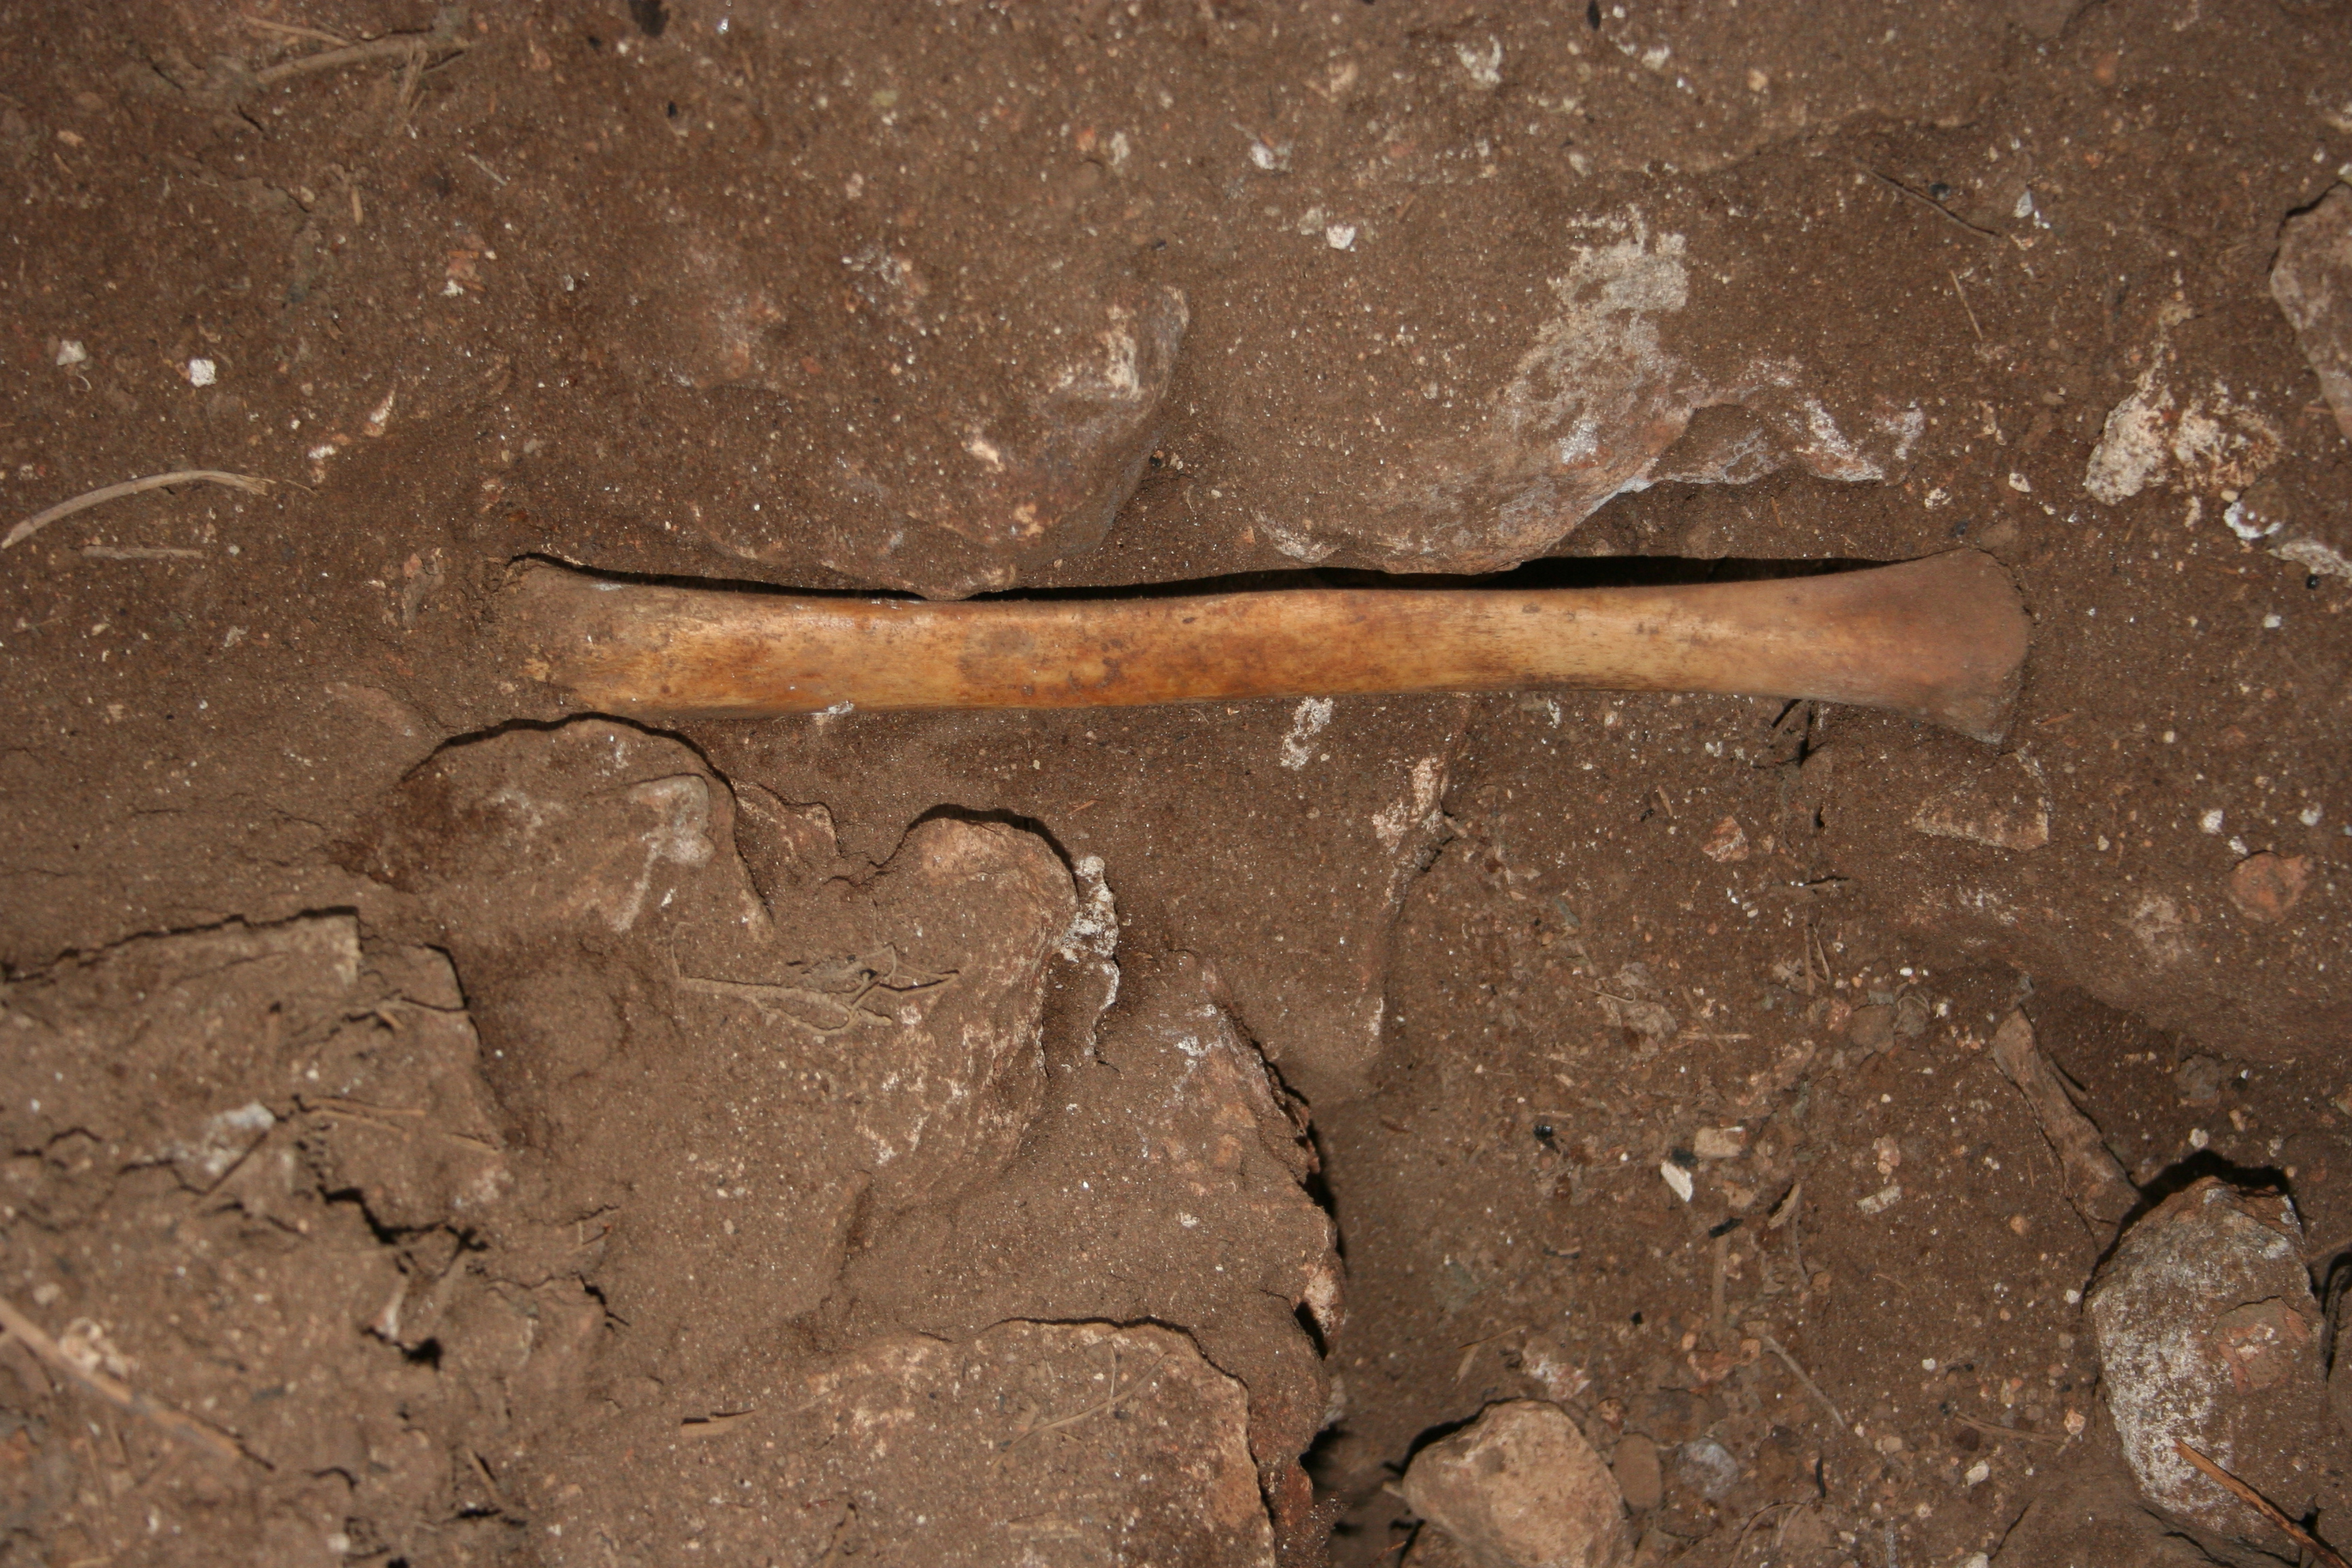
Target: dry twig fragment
[251,483]
[187,1428]
[407,47]
[316,35]
[2323,1554]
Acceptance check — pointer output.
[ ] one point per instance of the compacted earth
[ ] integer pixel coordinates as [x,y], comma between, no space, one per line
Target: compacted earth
[441,1123]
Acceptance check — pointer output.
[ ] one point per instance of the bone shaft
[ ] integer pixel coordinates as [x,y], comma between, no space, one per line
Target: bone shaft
[1939,638]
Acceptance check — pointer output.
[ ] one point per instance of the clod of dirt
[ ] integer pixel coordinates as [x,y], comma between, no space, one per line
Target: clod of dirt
[204,1093]
[196,1050]
[2201,1078]
[1872,1028]
[985,425]
[2088,1510]
[1639,1477]
[1172,1150]
[2339,1381]
[2312,281]
[2208,1333]
[189,1059]
[1521,1487]
[1029,1443]
[736,1078]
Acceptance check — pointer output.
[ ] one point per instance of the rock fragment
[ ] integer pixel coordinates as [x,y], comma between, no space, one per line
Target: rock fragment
[1521,1487]
[1727,843]
[2267,887]
[1492,472]
[2205,439]
[2006,806]
[1707,1467]
[2312,281]
[1719,1143]
[2096,1183]
[1639,1477]
[2208,1333]
[1634,1001]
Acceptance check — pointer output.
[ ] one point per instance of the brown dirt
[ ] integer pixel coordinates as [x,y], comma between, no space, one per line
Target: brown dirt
[519,1137]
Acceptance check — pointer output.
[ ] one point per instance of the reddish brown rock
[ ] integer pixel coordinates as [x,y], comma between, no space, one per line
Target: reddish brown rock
[2004,806]
[2267,887]
[1729,842]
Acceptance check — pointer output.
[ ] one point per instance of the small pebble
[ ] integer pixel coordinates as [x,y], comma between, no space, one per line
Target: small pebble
[2267,887]
[1719,1143]
[1484,64]
[1272,157]
[203,373]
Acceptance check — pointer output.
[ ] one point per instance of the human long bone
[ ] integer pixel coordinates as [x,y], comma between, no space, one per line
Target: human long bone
[1942,638]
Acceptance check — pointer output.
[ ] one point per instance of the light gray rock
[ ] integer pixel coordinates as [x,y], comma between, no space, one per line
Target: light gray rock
[2312,281]
[2207,1334]
[1499,462]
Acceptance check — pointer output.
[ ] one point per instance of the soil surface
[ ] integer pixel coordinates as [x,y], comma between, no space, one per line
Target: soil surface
[438,1125]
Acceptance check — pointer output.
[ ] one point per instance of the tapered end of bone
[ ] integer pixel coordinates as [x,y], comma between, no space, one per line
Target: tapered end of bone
[1944,640]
